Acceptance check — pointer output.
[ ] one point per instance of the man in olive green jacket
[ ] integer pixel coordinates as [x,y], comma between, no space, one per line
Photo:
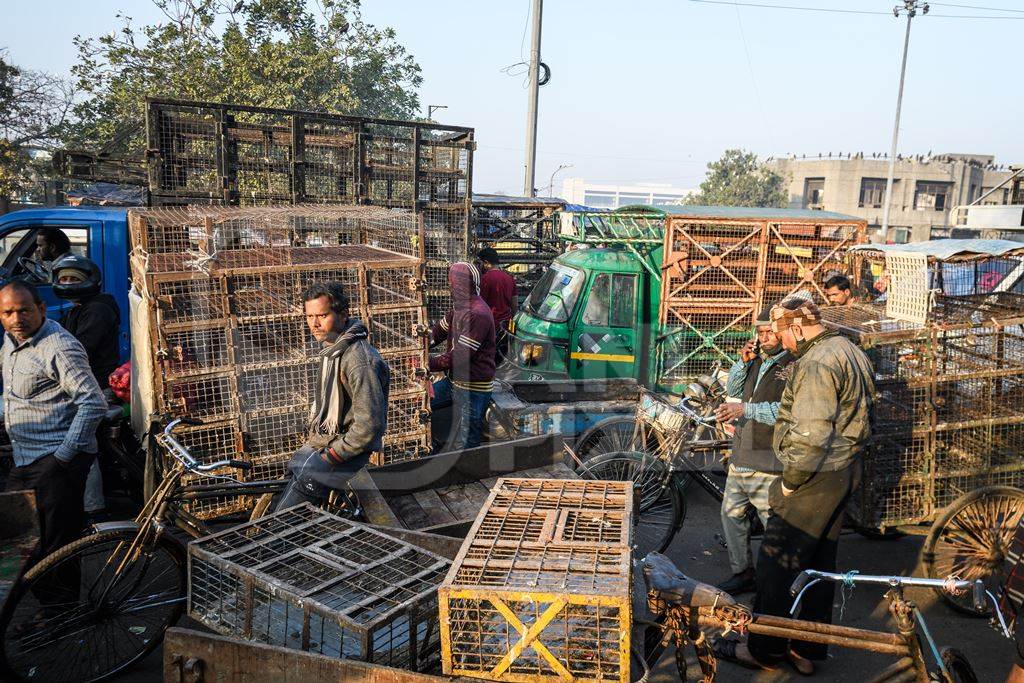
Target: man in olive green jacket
[822,430]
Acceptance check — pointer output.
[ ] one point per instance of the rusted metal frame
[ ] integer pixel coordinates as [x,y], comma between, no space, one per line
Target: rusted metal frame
[760,284]
[807,275]
[711,259]
[748,310]
[298,154]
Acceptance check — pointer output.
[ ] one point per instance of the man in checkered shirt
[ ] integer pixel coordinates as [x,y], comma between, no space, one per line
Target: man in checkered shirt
[52,406]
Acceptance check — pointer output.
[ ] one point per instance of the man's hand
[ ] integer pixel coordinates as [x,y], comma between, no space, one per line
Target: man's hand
[727,412]
[749,351]
[785,491]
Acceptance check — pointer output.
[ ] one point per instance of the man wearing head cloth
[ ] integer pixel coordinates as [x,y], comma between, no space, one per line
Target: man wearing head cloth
[757,379]
[468,358]
[821,432]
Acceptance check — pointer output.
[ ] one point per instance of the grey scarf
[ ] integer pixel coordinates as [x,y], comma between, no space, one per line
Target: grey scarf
[325,413]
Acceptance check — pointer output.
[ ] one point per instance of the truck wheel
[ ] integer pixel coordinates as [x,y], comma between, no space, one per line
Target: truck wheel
[970,539]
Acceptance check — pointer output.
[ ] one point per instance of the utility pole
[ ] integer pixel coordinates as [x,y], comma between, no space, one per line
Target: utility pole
[910,8]
[531,112]
[431,108]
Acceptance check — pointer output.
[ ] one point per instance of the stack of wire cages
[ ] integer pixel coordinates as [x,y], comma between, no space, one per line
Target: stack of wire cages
[304,579]
[722,265]
[203,152]
[541,587]
[949,406]
[227,337]
[523,230]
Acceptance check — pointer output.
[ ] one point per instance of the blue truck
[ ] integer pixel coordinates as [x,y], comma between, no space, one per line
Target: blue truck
[96,232]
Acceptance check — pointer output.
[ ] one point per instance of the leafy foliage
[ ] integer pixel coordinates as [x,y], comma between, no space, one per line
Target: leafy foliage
[739,179]
[274,53]
[34,113]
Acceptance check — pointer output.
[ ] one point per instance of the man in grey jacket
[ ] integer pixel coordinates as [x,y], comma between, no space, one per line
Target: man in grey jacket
[348,417]
[822,429]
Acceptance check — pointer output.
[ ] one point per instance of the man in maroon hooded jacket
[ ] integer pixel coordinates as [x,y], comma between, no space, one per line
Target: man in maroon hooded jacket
[468,359]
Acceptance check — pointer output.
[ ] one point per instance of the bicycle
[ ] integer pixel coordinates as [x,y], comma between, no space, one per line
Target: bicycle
[684,609]
[99,605]
[662,454]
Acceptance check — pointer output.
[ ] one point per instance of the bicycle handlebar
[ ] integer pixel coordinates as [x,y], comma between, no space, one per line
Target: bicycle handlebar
[979,593]
[182,455]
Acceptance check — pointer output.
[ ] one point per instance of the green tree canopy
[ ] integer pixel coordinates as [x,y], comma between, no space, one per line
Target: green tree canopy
[272,53]
[739,179]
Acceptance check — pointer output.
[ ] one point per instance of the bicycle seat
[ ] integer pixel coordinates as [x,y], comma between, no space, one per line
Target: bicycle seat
[675,587]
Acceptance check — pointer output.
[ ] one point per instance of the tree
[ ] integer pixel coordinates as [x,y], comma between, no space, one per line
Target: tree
[273,53]
[34,113]
[739,179]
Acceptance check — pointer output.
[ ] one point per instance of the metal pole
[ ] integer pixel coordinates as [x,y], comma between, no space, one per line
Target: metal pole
[531,112]
[911,8]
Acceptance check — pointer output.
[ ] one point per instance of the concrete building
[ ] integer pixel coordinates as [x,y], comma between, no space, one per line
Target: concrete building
[579,191]
[924,191]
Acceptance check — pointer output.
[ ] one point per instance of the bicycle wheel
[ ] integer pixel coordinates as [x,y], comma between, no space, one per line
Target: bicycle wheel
[970,541]
[959,667]
[659,508]
[68,620]
[616,434]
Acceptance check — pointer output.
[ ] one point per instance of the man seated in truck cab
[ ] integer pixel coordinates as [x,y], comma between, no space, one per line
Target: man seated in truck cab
[52,244]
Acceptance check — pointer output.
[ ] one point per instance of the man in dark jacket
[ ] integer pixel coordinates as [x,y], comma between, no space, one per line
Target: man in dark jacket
[348,417]
[95,321]
[757,379]
[821,432]
[498,290]
[468,359]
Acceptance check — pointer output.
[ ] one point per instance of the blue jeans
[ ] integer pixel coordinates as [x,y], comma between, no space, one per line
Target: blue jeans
[468,411]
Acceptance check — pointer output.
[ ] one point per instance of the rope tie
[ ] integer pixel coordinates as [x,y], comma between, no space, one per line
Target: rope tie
[846,590]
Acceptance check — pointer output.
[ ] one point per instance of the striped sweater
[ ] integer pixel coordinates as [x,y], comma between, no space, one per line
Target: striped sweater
[468,330]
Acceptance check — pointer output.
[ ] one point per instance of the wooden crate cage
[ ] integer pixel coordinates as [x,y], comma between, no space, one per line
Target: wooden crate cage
[227,338]
[523,230]
[203,152]
[541,588]
[308,580]
[719,272]
[949,405]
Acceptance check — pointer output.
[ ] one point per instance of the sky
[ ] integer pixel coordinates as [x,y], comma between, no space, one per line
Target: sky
[650,91]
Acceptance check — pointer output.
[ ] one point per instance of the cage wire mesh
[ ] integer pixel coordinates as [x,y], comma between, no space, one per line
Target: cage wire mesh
[553,554]
[229,337]
[717,274]
[239,155]
[522,231]
[949,405]
[305,579]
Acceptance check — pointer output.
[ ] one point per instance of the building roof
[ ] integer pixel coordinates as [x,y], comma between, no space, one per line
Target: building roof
[949,249]
[770,213]
[502,199]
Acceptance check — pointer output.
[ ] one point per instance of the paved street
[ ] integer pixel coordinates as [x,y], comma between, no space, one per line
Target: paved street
[700,555]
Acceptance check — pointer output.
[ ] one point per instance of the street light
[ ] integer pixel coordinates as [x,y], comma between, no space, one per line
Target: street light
[910,8]
[432,107]
[551,183]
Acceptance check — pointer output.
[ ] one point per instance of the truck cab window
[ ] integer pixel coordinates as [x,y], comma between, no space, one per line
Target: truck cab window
[24,244]
[623,300]
[596,312]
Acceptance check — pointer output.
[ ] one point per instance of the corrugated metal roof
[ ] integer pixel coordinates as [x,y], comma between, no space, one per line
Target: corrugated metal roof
[499,199]
[770,213]
[951,249]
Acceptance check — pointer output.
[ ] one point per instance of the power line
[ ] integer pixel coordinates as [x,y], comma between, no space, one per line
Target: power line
[990,9]
[834,10]
[594,156]
[789,7]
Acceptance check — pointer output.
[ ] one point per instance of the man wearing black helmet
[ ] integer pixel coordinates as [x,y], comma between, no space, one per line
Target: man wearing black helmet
[95,317]
[94,320]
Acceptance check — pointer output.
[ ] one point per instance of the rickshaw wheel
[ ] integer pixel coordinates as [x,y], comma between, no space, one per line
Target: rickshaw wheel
[616,434]
[970,539]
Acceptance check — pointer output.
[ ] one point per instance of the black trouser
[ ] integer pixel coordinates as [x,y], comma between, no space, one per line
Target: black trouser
[59,489]
[802,533]
[313,478]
